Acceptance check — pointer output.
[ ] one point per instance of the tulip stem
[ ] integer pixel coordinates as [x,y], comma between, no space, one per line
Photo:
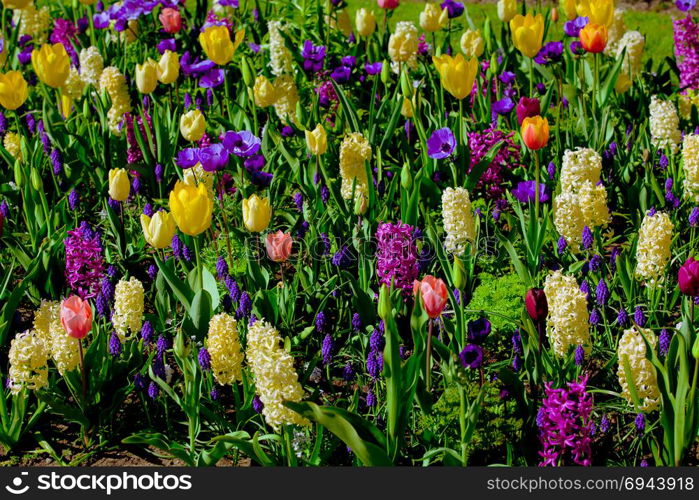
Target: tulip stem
[537,175]
[225,220]
[531,78]
[82,370]
[595,84]
[428,357]
[200,270]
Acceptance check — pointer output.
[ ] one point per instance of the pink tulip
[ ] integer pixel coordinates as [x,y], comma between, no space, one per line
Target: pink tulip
[537,305]
[76,316]
[688,277]
[278,246]
[527,107]
[388,4]
[171,20]
[434,295]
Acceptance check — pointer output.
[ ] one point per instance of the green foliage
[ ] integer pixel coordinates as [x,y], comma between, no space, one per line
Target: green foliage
[503,295]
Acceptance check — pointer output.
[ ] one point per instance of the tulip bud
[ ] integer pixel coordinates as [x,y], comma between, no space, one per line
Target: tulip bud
[35,179]
[360,205]
[406,178]
[688,277]
[458,274]
[19,174]
[527,107]
[537,305]
[406,86]
[180,348]
[119,185]
[695,348]
[248,75]
[535,132]
[147,76]
[385,306]
[554,15]
[385,73]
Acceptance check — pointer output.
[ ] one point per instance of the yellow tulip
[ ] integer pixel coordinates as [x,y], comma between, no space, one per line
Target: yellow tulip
[598,11]
[13,90]
[147,76]
[431,18]
[528,33]
[406,108]
[119,185]
[456,73]
[15,4]
[159,229]
[507,10]
[568,7]
[191,208]
[365,21]
[623,83]
[472,44]
[264,91]
[193,125]
[344,23]
[168,67]
[256,213]
[51,64]
[316,140]
[217,44]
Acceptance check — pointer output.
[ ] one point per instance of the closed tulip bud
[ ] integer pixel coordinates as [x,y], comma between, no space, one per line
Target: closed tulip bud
[19,174]
[554,15]
[316,140]
[159,229]
[388,4]
[191,207]
[35,179]
[569,10]
[623,83]
[147,76]
[257,213]
[360,204]
[472,44]
[193,125]
[278,246]
[406,85]
[535,132]
[593,37]
[537,305]
[527,107]
[433,295]
[248,75]
[456,74]
[406,108]
[366,22]
[264,92]
[385,73]
[458,274]
[507,10]
[168,67]
[217,44]
[688,277]
[51,64]
[431,18]
[171,19]
[385,306]
[406,178]
[695,348]
[13,90]
[76,316]
[527,33]
[119,185]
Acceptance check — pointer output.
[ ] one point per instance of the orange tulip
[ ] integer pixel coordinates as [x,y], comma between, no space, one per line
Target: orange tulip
[593,37]
[76,316]
[278,246]
[535,132]
[433,293]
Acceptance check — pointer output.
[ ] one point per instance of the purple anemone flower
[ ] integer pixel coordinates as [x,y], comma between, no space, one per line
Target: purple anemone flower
[471,356]
[524,192]
[441,143]
[213,157]
[243,143]
[212,79]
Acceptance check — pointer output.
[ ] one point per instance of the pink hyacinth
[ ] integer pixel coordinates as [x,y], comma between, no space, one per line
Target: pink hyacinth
[565,425]
[396,257]
[84,261]
[507,157]
[686,34]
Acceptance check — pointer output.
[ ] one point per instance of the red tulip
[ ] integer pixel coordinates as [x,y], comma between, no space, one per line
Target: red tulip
[388,4]
[527,107]
[171,20]
[536,304]
[688,277]
[593,37]
[278,246]
[434,295]
[76,316]
[535,132]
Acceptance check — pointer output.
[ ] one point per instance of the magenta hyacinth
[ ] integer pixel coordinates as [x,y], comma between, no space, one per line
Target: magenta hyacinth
[84,261]
[686,33]
[397,257]
[565,425]
[507,157]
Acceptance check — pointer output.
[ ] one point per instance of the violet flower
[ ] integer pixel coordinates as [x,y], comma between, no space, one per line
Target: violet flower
[441,143]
